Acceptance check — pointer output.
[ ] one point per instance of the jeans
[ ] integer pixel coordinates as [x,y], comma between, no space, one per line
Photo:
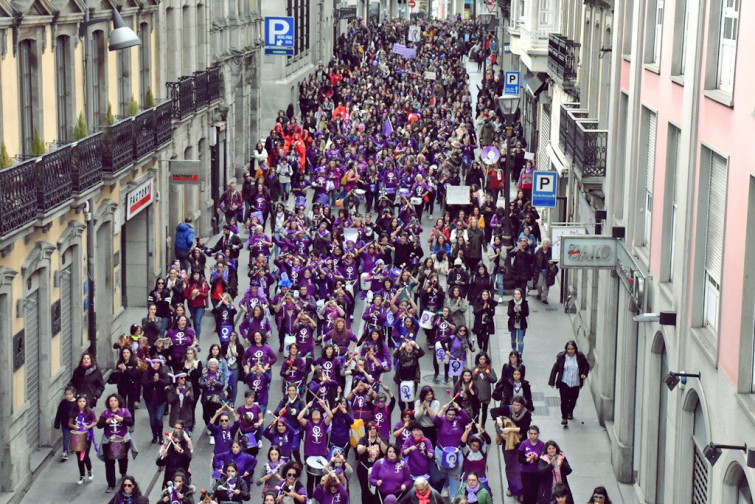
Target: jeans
[499,281]
[542,287]
[164,325]
[66,438]
[196,318]
[233,385]
[285,190]
[517,340]
[453,476]
[156,411]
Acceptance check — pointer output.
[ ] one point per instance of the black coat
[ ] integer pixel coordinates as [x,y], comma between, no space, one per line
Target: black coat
[88,381]
[558,369]
[154,391]
[545,474]
[183,413]
[508,393]
[484,317]
[523,314]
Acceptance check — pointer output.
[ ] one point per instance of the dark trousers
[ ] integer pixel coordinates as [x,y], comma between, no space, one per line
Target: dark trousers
[569,397]
[156,410]
[530,484]
[84,462]
[110,469]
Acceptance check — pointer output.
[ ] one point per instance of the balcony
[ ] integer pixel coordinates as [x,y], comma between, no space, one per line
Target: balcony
[163,123]
[590,149]
[570,113]
[563,58]
[54,181]
[18,196]
[144,136]
[86,163]
[118,149]
[194,92]
[534,39]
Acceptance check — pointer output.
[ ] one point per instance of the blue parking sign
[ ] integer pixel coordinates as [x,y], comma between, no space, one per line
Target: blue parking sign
[544,187]
[511,83]
[279,32]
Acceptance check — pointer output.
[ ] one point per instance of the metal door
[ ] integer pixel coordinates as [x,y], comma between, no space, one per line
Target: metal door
[66,318]
[31,317]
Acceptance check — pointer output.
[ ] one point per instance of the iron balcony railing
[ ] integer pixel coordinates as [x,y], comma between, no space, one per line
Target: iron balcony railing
[590,149]
[569,113]
[194,92]
[39,185]
[563,57]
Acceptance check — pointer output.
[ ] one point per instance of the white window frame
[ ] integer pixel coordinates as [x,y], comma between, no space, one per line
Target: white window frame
[685,28]
[545,13]
[713,279]
[727,45]
[658,31]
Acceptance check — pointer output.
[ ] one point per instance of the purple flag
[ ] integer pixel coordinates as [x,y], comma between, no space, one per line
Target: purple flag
[387,127]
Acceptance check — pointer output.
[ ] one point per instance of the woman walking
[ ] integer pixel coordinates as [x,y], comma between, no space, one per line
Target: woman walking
[82,423]
[518,312]
[568,375]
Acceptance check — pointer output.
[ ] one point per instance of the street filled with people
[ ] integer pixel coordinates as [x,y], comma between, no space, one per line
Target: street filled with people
[343,260]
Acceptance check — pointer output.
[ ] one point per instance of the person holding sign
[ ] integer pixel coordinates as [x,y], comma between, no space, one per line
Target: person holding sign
[450,422]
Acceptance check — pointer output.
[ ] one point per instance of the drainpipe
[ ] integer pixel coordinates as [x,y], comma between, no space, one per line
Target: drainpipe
[91,315]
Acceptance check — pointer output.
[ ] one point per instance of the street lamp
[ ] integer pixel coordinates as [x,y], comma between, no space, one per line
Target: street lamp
[673,379]
[509,104]
[122,36]
[712,452]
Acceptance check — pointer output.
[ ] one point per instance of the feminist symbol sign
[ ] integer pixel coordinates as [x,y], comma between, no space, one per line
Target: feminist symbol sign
[225,333]
[455,367]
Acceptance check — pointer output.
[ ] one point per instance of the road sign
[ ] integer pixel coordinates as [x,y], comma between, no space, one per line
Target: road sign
[288,51]
[544,187]
[279,32]
[412,4]
[511,84]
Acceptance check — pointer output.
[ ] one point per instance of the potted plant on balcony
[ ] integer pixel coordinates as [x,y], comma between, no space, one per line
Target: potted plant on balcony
[80,130]
[149,99]
[133,107]
[37,145]
[5,159]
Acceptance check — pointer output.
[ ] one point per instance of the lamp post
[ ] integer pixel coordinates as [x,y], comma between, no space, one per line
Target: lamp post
[508,104]
[122,37]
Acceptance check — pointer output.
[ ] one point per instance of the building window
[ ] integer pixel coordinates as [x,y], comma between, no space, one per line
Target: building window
[715,170]
[124,81]
[544,13]
[621,152]
[672,195]
[628,18]
[99,78]
[299,10]
[699,463]
[681,18]
[29,92]
[654,32]
[145,57]
[727,45]
[649,120]
[63,86]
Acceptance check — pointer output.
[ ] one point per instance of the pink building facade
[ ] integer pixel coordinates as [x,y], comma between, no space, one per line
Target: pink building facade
[680,189]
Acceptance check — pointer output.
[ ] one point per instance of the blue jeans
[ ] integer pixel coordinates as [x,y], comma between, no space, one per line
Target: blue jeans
[499,280]
[517,340]
[164,325]
[233,384]
[196,319]
[156,411]
[453,476]
[66,438]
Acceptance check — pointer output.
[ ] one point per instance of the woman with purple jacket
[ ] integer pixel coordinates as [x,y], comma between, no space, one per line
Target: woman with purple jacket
[390,475]
[331,490]
[182,337]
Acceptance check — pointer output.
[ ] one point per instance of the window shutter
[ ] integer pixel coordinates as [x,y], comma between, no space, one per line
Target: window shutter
[543,161]
[650,161]
[716,216]
[675,147]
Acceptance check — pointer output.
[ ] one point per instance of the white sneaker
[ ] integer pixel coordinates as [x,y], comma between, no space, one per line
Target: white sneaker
[81,480]
[90,476]
[212,440]
[499,299]
[444,493]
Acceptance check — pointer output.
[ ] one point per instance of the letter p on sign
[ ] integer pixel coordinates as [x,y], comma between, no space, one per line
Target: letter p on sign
[544,188]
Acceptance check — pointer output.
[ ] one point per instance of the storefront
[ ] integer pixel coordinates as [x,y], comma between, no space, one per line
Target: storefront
[137,243]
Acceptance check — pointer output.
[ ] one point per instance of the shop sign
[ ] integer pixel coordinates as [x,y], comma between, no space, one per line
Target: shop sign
[185,172]
[631,276]
[592,252]
[140,198]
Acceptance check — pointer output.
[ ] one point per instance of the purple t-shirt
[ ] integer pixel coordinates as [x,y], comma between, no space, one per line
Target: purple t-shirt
[181,341]
[528,448]
[449,432]
[418,460]
[114,428]
[315,439]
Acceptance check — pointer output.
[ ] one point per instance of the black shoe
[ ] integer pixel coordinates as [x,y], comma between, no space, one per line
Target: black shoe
[154,439]
[564,421]
[570,416]
[160,439]
[545,301]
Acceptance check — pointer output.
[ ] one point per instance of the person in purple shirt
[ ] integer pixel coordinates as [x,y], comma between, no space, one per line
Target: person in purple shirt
[341,336]
[529,455]
[361,398]
[390,475]
[223,432]
[450,422]
[328,362]
[182,337]
[251,414]
[285,436]
[259,382]
[381,413]
[418,451]
[402,429]
[115,422]
[304,329]
[258,352]
[244,462]
[331,490]
[293,369]
[256,322]
[291,486]
[315,435]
